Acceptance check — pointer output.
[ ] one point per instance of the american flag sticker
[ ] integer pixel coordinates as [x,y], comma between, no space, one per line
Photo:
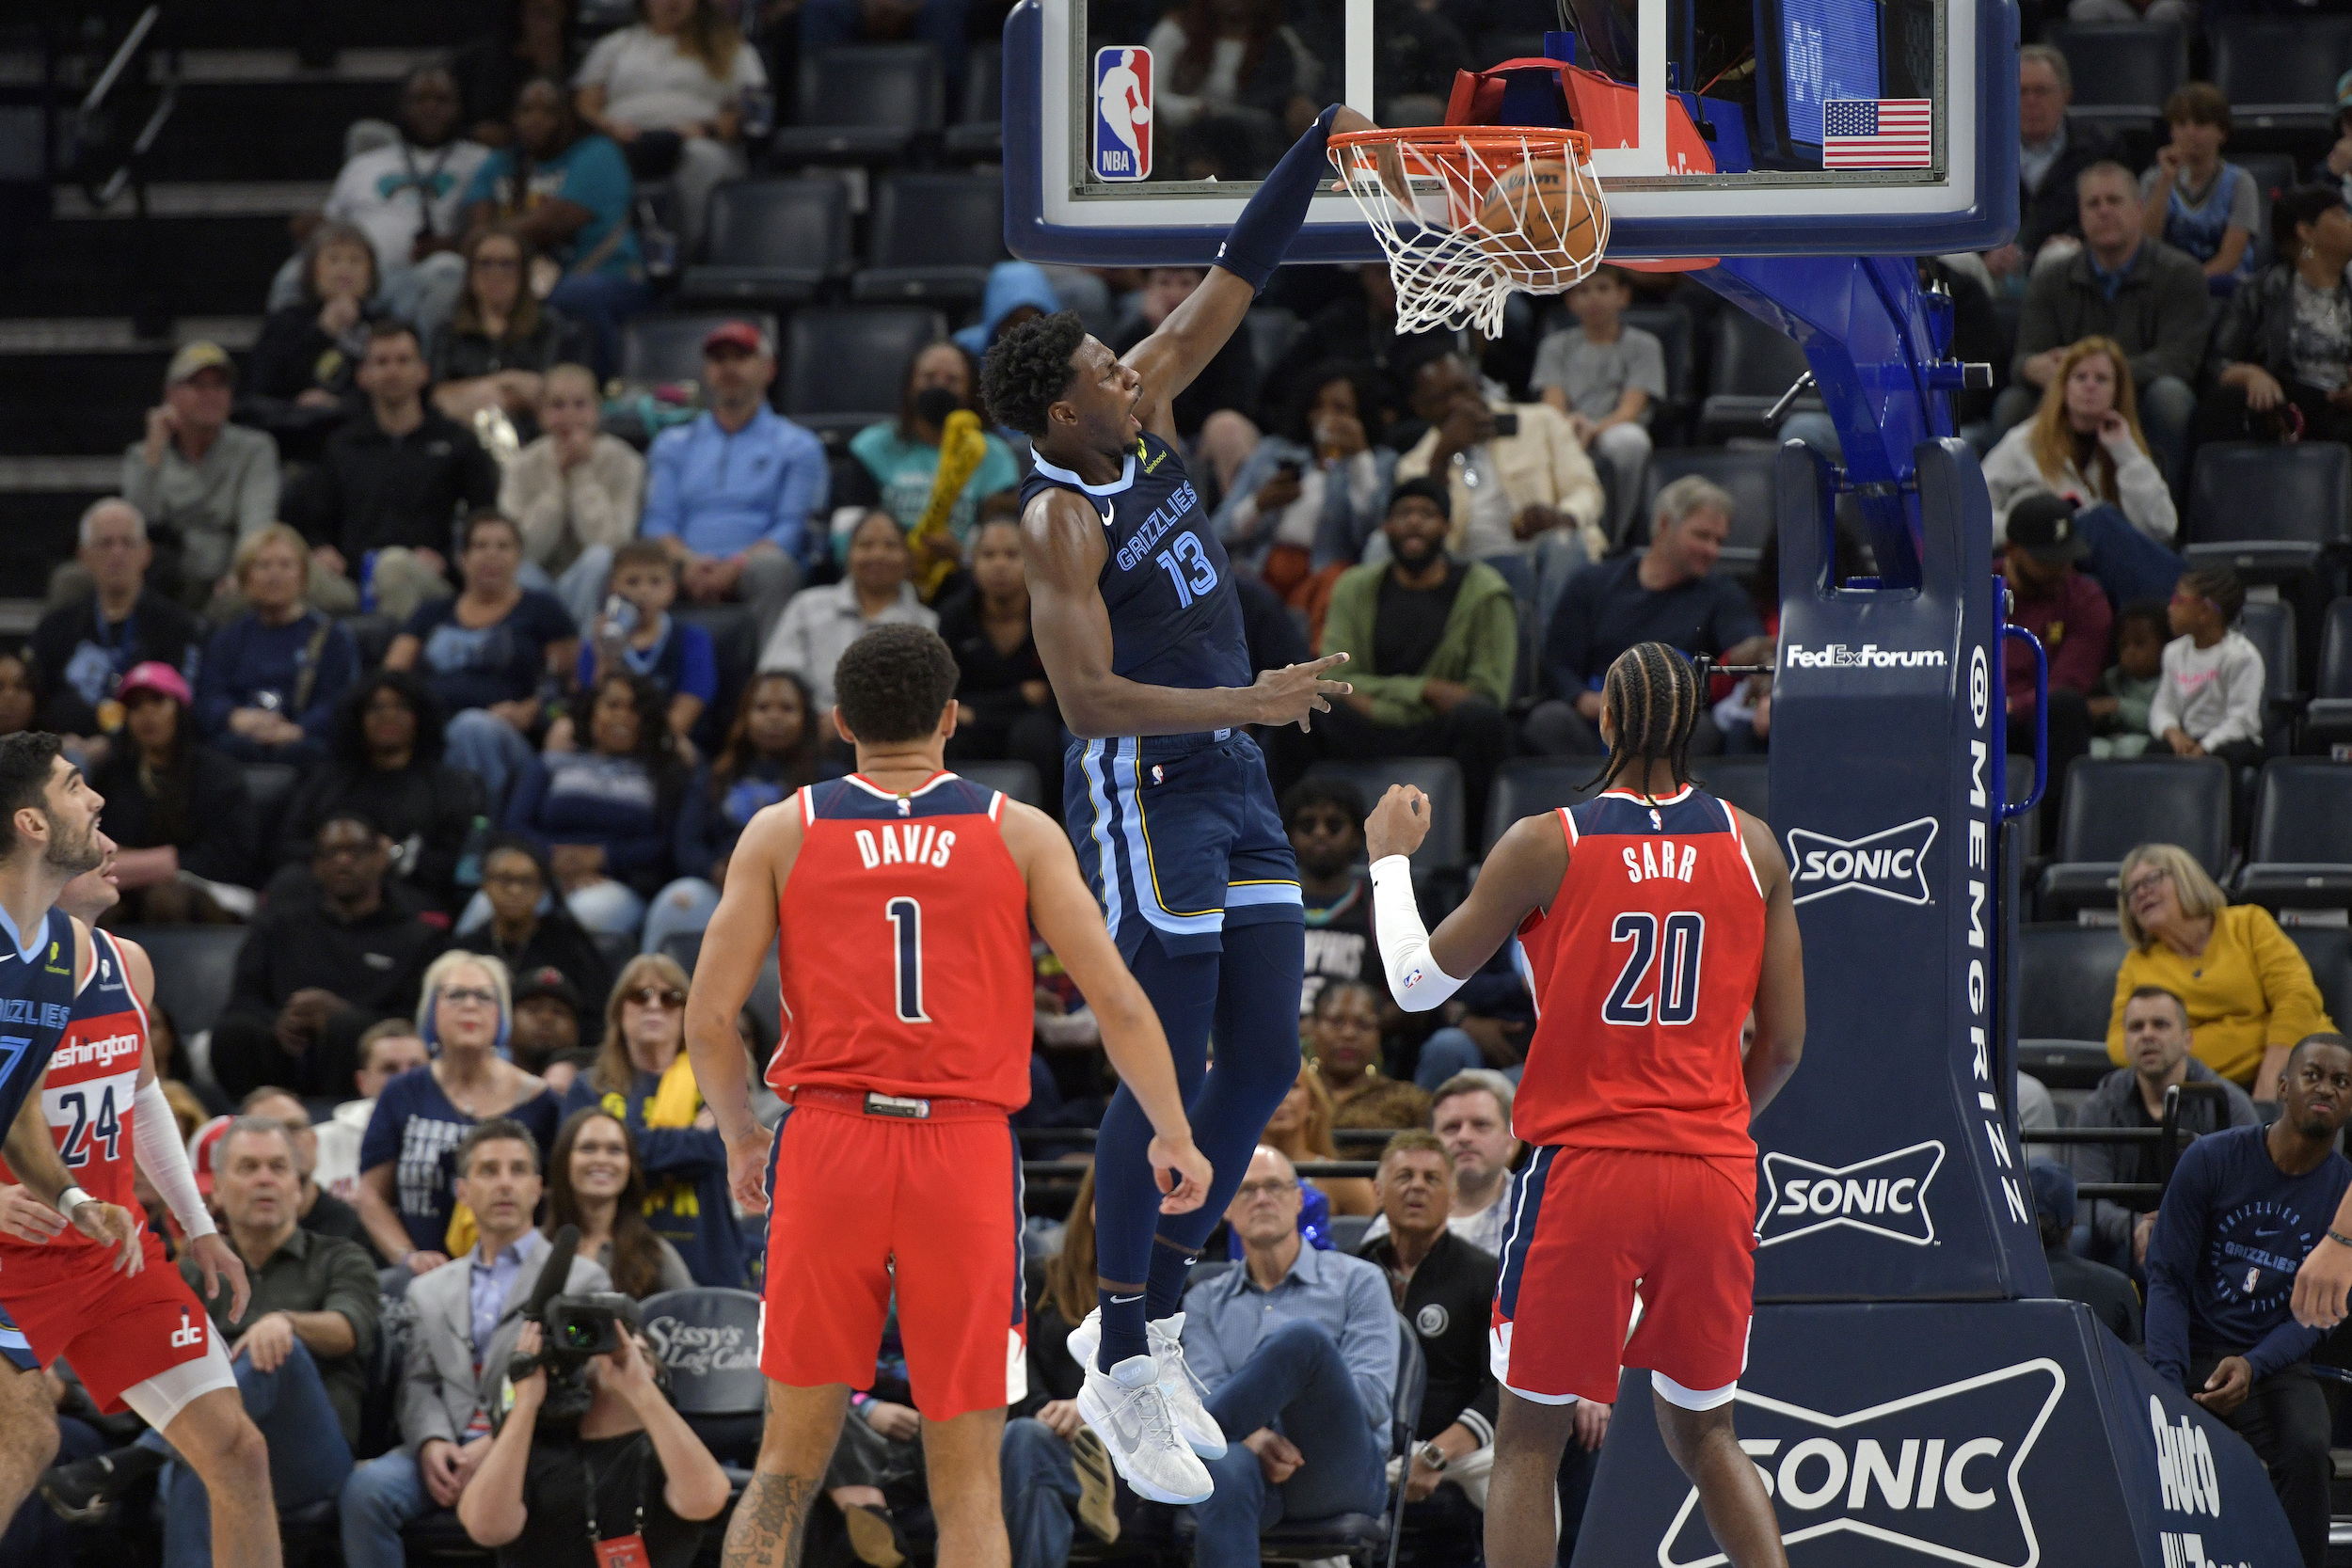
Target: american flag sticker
[1878,132]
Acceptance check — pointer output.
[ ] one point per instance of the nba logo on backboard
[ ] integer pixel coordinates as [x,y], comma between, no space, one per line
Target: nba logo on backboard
[1123,114]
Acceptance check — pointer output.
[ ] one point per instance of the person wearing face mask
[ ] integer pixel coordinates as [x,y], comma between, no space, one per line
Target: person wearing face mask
[576,492]
[904,455]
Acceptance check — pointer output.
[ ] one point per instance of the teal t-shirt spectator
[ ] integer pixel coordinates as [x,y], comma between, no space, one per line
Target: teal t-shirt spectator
[591,173]
[299,668]
[687,1202]
[720,493]
[471,666]
[1016,292]
[905,469]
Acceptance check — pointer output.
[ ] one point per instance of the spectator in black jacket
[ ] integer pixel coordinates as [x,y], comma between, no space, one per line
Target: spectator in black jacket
[2270,369]
[316,1210]
[302,380]
[83,650]
[526,928]
[2108,1293]
[173,804]
[2053,150]
[1004,707]
[1443,1287]
[500,341]
[394,481]
[383,760]
[317,970]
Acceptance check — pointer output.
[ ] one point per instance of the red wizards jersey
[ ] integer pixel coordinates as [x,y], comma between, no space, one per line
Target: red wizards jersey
[903,945]
[1644,969]
[93,1076]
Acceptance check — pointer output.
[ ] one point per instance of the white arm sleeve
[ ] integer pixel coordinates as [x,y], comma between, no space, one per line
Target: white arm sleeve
[155,1139]
[1414,978]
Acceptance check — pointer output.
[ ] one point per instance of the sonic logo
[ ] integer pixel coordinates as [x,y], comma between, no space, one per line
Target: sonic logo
[1892,863]
[1885,1196]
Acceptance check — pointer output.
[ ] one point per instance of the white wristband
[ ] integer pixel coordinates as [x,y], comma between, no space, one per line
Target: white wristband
[71,1199]
[1414,978]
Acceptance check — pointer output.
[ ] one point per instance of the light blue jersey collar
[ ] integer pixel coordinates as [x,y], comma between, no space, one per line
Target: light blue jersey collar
[23,949]
[1063,476]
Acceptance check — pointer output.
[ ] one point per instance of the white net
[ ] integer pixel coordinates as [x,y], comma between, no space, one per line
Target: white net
[1463,222]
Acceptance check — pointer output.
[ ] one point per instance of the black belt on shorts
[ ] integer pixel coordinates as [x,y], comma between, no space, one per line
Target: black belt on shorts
[869,1103]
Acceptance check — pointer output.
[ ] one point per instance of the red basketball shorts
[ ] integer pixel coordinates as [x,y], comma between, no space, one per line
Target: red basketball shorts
[118,1331]
[863,1203]
[1593,1226]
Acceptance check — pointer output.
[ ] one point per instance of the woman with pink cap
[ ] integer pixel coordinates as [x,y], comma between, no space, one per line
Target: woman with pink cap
[178,809]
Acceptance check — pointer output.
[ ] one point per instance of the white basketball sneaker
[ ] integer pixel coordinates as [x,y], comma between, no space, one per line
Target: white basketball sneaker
[1194,1423]
[1129,1413]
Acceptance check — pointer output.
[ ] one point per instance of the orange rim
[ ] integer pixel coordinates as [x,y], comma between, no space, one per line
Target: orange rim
[1476,137]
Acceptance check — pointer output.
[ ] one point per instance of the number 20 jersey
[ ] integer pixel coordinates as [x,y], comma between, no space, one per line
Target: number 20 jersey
[93,1076]
[902,946]
[1645,969]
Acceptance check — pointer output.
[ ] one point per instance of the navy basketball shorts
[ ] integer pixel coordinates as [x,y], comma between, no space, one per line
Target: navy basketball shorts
[1179,838]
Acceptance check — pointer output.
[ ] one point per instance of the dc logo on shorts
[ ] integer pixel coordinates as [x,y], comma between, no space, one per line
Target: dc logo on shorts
[1431,1321]
[1123,114]
[189,1332]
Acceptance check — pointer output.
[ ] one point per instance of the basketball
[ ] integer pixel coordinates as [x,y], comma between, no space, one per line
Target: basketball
[1539,225]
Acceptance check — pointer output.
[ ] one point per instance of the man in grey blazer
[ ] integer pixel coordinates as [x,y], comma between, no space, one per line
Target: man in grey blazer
[466,1321]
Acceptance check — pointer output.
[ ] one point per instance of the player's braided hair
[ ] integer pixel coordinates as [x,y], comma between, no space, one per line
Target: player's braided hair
[1027,369]
[1652,696]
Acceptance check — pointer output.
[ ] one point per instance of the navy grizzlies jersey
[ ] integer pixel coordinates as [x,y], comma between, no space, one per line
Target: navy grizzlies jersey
[1175,619]
[35,1005]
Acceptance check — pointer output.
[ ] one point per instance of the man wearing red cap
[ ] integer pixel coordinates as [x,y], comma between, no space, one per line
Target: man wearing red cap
[731,494]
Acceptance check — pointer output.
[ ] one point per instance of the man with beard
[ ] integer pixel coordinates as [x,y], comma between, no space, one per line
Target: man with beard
[48,837]
[1431,645]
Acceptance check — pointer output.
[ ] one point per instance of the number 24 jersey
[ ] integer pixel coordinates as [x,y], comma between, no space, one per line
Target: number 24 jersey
[93,1075]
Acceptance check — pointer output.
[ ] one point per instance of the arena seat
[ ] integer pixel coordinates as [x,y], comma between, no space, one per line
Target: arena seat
[1745,781]
[2123,71]
[439,1538]
[2300,856]
[1364,1537]
[771,241]
[1439,778]
[2329,951]
[1744,472]
[617,947]
[1678,343]
[684,948]
[1347,1232]
[2279,71]
[2270,627]
[2065,1067]
[978,134]
[2327,717]
[708,1343]
[195,967]
[2114,803]
[844,370]
[2264,511]
[1272,330]
[2066,981]
[1018,779]
[664,348]
[863,103]
[1751,367]
[1527,785]
[267,787]
[934,238]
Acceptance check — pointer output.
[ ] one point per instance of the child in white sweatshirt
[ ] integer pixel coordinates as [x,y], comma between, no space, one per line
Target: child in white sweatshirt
[2209,701]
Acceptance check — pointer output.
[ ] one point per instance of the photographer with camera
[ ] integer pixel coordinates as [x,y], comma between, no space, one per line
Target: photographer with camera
[467,1316]
[632,1473]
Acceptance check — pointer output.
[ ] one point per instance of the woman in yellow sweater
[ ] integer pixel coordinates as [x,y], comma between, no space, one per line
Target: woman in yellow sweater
[2248,993]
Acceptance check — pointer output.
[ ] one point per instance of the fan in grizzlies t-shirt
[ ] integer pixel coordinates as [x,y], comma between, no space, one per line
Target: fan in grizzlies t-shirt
[1324,819]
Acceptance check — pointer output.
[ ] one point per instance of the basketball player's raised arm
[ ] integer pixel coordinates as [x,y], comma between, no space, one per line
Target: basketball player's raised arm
[1064,547]
[1195,330]
[1779,1041]
[1066,915]
[2325,1280]
[742,933]
[1521,875]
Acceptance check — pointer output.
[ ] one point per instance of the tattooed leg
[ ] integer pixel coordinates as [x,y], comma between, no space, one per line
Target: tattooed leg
[794,1450]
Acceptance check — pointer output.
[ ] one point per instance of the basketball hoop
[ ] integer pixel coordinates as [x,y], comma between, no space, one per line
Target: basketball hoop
[1467,213]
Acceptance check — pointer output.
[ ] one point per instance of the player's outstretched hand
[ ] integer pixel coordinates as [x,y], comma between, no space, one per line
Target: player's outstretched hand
[1182,1174]
[747,1167]
[1397,823]
[217,1260]
[2322,1284]
[27,1217]
[108,1225]
[1296,693]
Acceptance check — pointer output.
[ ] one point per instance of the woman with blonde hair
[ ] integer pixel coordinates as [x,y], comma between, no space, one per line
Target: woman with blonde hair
[1301,1129]
[643,1080]
[2084,443]
[2247,989]
[408,1197]
[269,680]
[671,90]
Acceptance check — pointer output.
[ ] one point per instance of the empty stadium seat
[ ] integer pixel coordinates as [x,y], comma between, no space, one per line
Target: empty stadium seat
[1018,779]
[1525,786]
[707,1341]
[2270,627]
[2327,717]
[683,949]
[194,969]
[1749,369]
[2123,71]
[656,349]
[1678,343]
[2301,853]
[1439,778]
[934,238]
[268,786]
[2329,951]
[844,370]
[2113,804]
[1745,472]
[1745,781]
[862,104]
[2065,1066]
[1347,1231]
[2280,71]
[978,133]
[1272,330]
[772,241]
[2066,981]
[2272,172]
[2267,512]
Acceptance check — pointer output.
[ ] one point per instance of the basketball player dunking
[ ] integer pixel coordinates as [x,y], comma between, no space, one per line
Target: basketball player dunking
[1654,918]
[1166,797]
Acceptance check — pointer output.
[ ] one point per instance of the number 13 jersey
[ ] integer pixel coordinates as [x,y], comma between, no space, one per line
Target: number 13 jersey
[93,1076]
[1644,969]
[903,945]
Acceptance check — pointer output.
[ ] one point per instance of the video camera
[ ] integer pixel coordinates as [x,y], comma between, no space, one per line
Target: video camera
[575,1329]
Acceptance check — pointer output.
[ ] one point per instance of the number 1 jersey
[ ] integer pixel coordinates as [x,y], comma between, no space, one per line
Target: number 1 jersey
[93,1076]
[1644,969]
[903,945]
